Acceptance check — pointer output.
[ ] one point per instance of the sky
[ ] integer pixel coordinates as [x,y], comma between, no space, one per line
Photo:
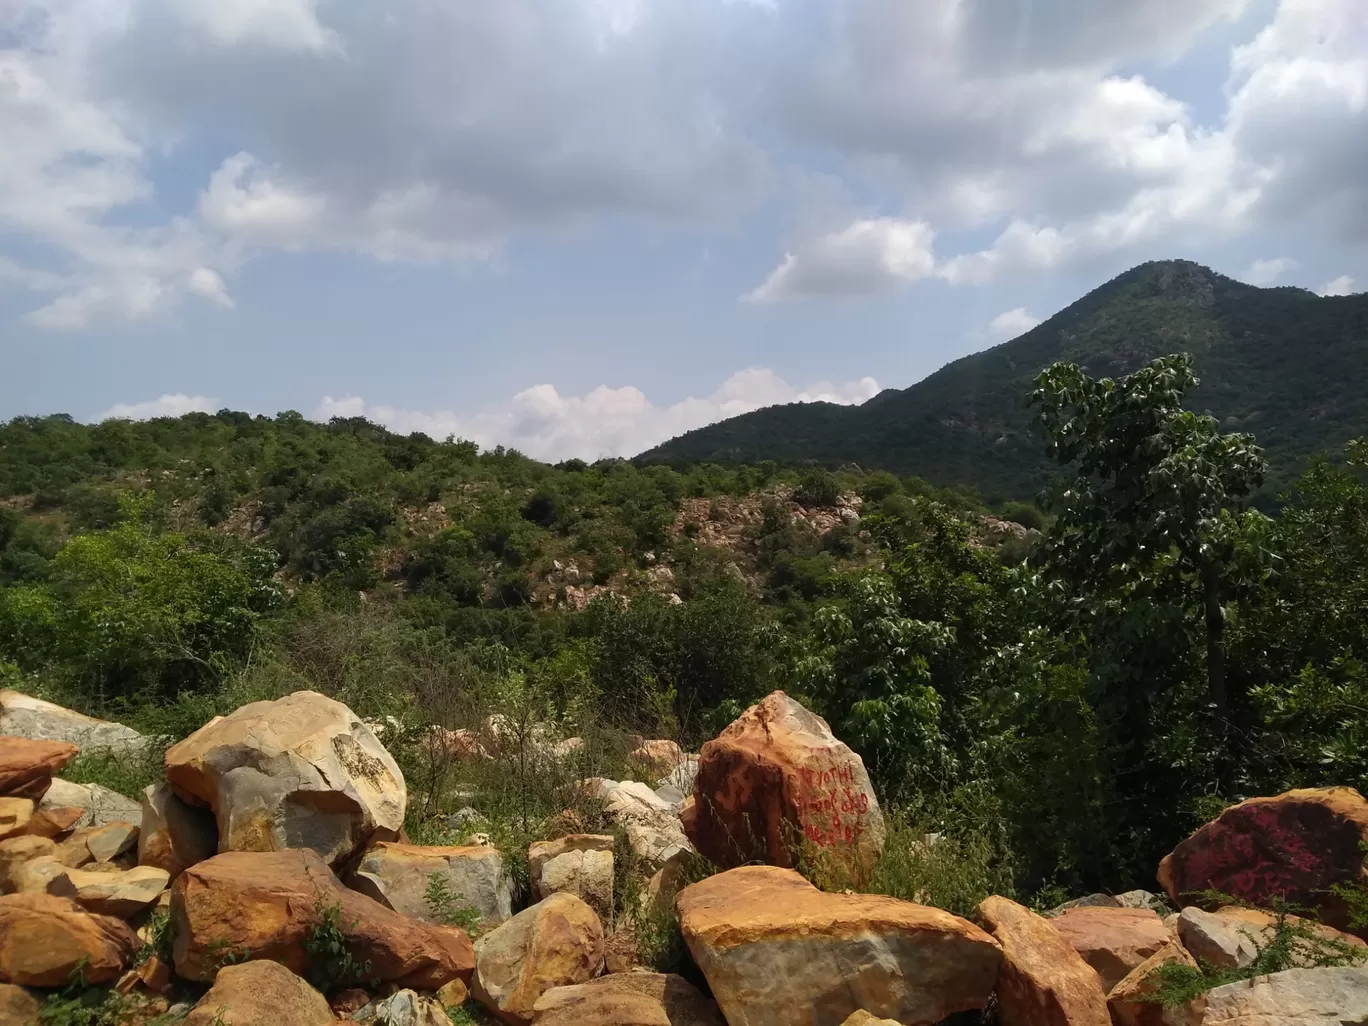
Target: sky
[580,227]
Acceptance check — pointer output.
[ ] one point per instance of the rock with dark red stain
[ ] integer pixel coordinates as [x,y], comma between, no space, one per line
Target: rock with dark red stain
[1293,847]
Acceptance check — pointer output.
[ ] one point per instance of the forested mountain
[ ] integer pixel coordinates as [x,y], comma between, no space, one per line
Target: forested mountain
[1282,363]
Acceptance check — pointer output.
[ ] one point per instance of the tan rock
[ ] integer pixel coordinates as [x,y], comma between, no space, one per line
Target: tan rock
[98,844]
[18,1007]
[580,864]
[627,999]
[24,716]
[555,943]
[1327,996]
[14,852]
[260,993]
[1293,847]
[1220,940]
[404,1008]
[34,875]
[654,831]
[55,821]
[27,766]
[98,804]
[1126,1001]
[776,951]
[1112,940]
[397,875]
[299,772]
[174,835]
[863,1018]
[453,994]
[124,893]
[778,776]
[44,939]
[1044,981]
[655,759]
[262,904]
[15,814]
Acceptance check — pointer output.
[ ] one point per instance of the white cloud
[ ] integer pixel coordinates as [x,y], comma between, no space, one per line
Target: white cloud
[281,24]
[868,256]
[171,405]
[1011,323]
[604,422]
[1341,286]
[1266,272]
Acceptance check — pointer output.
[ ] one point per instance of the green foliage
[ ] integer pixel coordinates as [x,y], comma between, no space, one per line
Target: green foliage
[817,488]
[331,963]
[449,907]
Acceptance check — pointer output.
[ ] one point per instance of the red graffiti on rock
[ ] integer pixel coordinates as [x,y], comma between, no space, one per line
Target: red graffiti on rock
[831,808]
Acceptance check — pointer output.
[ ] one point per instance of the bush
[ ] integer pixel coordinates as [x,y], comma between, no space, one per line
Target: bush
[817,488]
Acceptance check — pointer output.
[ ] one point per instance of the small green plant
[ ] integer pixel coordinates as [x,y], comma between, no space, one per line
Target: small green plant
[159,940]
[79,1004]
[331,964]
[449,907]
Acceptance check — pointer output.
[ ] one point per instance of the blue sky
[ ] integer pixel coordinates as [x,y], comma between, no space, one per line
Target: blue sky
[581,226]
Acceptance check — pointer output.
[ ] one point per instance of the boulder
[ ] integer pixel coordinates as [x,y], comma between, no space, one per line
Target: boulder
[403,1008]
[555,943]
[656,758]
[1143,899]
[33,875]
[1087,901]
[54,822]
[863,1018]
[627,999]
[299,772]
[262,905]
[98,804]
[654,831]
[1293,847]
[1218,939]
[397,875]
[1044,981]
[776,951]
[24,716]
[18,1007]
[580,864]
[124,893]
[777,777]
[260,993]
[15,851]
[98,844]
[681,777]
[15,814]
[44,939]
[27,766]
[1328,996]
[1112,940]
[453,994]
[1127,1000]
[174,835]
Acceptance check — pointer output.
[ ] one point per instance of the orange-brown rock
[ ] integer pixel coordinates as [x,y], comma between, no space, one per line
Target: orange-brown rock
[1112,940]
[627,999]
[15,814]
[174,835]
[44,939]
[1044,981]
[98,844]
[18,1007]
[14,852]
[53,821]
[776,951]
[1126,1001]
[122,892]
[656,758]
[27,766]
[555,943]
[1292,847]
[397,875]
[260,994]
[775,778]
[262,904]
[863,1018]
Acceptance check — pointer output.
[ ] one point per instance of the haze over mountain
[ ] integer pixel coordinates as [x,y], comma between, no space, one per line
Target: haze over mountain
[1283,363]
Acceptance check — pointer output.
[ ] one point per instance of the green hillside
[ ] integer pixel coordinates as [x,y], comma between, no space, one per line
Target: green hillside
[1282,363]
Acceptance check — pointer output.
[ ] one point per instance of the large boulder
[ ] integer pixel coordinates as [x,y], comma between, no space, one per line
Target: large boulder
[299,772]
[25,716]
[263,905]
[1293,847]
[1044,981]
[1327,996]
[578,864]
[398,875]
[776,951]
[27,766]
[260,993]
[555,943]
[174,835]
[1131,1002]
[1112,940]
[628,999]
[777,777]
[98,804]
[44,939]
[123,893]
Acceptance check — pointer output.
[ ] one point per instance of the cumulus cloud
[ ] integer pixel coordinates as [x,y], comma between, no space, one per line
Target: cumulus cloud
[1341,286]
[604,422]
[1266,272]
[170,405]
[1012,323]
[867,256]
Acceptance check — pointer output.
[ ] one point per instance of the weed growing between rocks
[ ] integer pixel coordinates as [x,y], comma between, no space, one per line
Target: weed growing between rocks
[332,966]
[449,907]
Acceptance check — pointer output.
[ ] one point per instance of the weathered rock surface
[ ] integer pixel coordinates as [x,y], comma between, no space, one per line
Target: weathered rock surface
[778,776]
[1126,1001]
[656,758]
[174,835]
[53,822]
[403,1008]
[654,831]
[628,999]
[863,1018]
[1292,847]
[123,894]
[299,772]
[1044,981]
[27,766]
[555,943]
[18,1007]
[1295,997]
[44,938]
[32,876]
[98,804]
[1218,939]
[1112,940]
[263,903]
[260,994]
[579,864]
[776,951]
[98,844]
[15,814]
[15,851]
[396,875]
[24,716]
